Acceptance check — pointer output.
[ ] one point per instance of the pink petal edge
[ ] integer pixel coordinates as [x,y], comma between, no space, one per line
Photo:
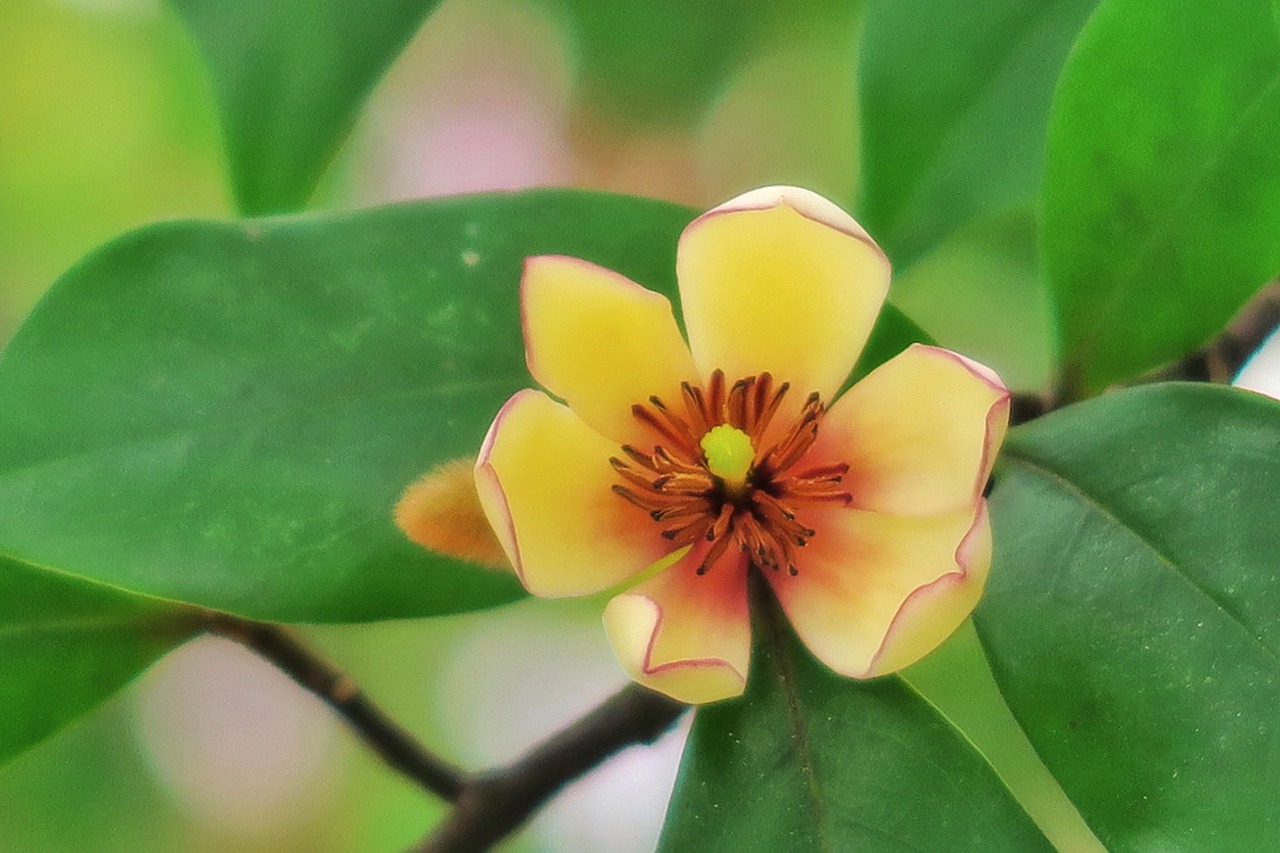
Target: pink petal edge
[807,203]
[959,576]
[487,478]
[646,664]
[997,419]
[604,271]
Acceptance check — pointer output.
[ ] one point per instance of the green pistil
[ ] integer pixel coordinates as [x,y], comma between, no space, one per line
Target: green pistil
[729,454]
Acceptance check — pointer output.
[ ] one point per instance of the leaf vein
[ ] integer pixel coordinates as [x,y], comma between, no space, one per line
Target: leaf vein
[1120,291]
[1038,467]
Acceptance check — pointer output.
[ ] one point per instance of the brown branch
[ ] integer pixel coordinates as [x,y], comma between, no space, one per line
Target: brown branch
[1222,357]
[487,806]
[495,803]
[379,732]
[1028,405]
[1218,361]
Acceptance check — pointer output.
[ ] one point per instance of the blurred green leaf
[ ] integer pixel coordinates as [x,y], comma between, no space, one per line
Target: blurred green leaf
[662,62]
[67,644]
[892,333]
[1162,180]
[1132,617]
[225,414]
[955,97]
[979,292]
[290,77]
[657,63]
[808,760]
[645,64]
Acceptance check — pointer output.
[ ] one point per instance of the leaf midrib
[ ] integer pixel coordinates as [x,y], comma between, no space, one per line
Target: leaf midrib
[1170,213]
[206,426]
[82,625]
[781,654]
[1037,467]
[799,728]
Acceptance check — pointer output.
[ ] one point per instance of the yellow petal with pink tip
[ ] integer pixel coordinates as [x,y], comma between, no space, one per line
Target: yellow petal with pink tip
[684,634]
[780,280]
[876,592]
[920,432]
[600,342]
[545,484]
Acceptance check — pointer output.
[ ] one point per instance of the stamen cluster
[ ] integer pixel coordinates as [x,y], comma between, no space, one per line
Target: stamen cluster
[677,488]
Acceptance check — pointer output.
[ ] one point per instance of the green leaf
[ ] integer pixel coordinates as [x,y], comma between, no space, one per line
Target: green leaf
[67,644]
[892,333]
[225,414]
[1132,617]
[649,64]
[1162,180]
[808,760]
[290,77]
[955,98]
[980,292]
[661,64]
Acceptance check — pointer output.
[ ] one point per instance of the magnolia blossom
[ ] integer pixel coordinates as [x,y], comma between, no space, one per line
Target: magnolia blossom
[681,468]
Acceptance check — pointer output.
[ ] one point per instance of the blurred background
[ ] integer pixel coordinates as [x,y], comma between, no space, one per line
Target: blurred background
[107,122]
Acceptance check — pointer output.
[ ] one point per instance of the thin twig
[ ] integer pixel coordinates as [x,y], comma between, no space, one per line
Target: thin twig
[487,806]
[383,735]
[495,803]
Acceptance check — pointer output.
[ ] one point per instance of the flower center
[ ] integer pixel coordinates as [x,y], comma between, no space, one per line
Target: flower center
[729,455]
[712,477]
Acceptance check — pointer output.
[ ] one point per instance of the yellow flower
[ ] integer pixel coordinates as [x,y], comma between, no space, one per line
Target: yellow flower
[727,455]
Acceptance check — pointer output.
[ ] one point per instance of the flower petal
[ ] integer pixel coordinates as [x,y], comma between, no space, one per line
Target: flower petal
[877,592]
[545,483]
[780,280]
[684,634]
[920,432]
[600,342]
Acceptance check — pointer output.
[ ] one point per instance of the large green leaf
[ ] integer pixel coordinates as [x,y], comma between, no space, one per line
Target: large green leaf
[225,414]
[66,644]
[810,761]
[1162,180]
[955,98]
[290,77]
[1133,613]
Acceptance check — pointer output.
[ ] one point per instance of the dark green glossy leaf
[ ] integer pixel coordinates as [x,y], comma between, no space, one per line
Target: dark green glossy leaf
[810,761]
[956,679]
[67,644]
[1162,180]
[1133,613]
[955,97]
[225,414]
[290,77]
